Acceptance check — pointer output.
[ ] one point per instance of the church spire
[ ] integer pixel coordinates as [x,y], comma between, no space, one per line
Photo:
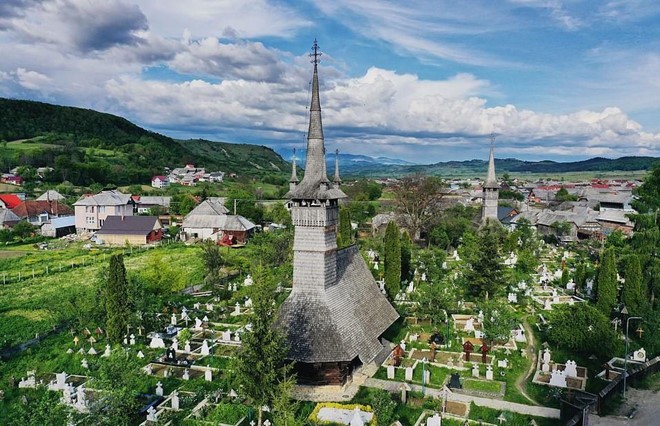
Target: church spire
[294,175]
[337,179]
[491,180]
[315,169]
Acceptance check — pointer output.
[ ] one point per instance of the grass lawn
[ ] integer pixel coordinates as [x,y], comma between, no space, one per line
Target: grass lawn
[490,415]
[482,385]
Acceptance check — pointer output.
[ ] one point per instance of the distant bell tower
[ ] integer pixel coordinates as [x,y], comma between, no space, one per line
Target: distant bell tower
[490,188]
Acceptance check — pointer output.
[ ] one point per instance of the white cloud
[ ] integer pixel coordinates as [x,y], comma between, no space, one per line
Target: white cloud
[32,80]
[245,19]
[557,11]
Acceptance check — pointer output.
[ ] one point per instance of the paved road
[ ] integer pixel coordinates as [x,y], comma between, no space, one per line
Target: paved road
[531,410]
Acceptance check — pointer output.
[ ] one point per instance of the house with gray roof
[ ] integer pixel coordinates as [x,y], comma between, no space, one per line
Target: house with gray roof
[211,220]
[91,211]
[134,230]
[7,218]
[335,315]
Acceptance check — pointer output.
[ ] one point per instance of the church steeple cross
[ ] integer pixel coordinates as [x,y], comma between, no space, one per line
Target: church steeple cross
[316,54]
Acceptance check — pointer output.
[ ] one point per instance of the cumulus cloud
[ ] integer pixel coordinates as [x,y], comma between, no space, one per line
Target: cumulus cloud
[383,110]
[32,80]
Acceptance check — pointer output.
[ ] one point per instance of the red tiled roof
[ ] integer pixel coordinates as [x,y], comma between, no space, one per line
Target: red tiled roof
[162,178]
[10,200]
[35,208]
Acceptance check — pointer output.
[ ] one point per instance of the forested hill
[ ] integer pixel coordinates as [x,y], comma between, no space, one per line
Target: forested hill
[86,146]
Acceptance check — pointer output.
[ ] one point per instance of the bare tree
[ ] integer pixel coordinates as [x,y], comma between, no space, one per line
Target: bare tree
[418,202]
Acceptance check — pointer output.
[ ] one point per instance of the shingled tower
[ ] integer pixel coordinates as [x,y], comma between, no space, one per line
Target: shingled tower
[491,188]
[335,314]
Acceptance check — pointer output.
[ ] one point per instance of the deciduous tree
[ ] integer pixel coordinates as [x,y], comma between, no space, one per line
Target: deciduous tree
[418,200]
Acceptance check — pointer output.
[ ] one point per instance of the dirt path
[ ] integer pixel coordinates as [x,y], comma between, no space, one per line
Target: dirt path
[531,343]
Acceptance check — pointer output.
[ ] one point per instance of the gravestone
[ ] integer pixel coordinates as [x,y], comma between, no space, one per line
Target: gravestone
[455,381]
[558,379]
[148,369]
[91,351]
[547,305]
[489,372]
[570,369]
[248,280]
[205,347]
[639,355]
[475,370]
[468,347]
[132,341]
[237,309]
[175,400]
[140,354]
[171,354]
[208,375]
[512,297]
[546,356]
[197,305]
[81,399]
[427,377]
[198,323]
[186,347]
[84,364]
[186,375]
[469,325]
[159,389]
[226,336]
[436,420]
[404,392]
[173,319]
[209,307]
[503,363]
[156,342]
[152,415]
[413,337]
[409,374]
[60,380]
[107,352]
[175,344]
[390,372]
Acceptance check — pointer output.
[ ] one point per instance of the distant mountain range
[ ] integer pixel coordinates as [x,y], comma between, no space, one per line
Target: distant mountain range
[86,146]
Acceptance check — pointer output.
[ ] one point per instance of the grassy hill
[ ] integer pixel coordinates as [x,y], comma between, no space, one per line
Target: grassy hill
[85,146]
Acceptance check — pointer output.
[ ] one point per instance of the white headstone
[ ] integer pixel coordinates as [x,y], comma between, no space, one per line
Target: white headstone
[107,352]
[390,372]
[140,354]
[186,375]
[409,374]
[435,420]
[513,298]
[81,399]
[198,323]
[175,344]
[156,342]
[187,347]
[132,341]
[403,345]
[248,303]
[413,337]
[91,351]
[152,415]
[175,400]
[208,375]
[639,355]
[248,280]
[503,363]
[205,347]
[84,364]
[159,389]
[173,319]
[427,377]
[558,379]
[148,369]
[475,370]
[197,305]
[546,356]
[570,369]
[226,335]
[547,305]
[237,309]
[469,325]
[489,372]
[478,334]
[209,307]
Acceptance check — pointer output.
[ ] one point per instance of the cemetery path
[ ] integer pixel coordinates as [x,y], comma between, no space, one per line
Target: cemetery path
[531,344]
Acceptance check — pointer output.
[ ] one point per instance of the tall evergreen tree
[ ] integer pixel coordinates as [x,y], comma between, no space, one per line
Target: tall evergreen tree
[634,294]
[406,256]
[486,276]
[392,260]
[117,300]
[606,291]
[260,365]
[345,235]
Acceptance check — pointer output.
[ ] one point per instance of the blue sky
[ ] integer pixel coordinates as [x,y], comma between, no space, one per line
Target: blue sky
[424,81]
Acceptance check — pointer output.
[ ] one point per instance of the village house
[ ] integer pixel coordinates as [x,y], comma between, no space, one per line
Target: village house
[148,204]
[134,230]
[160,182]
[210,221]
[59,227]
[7,218]
[11,179]
[9,201]
[92,210]
[39,212]
[51,195]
